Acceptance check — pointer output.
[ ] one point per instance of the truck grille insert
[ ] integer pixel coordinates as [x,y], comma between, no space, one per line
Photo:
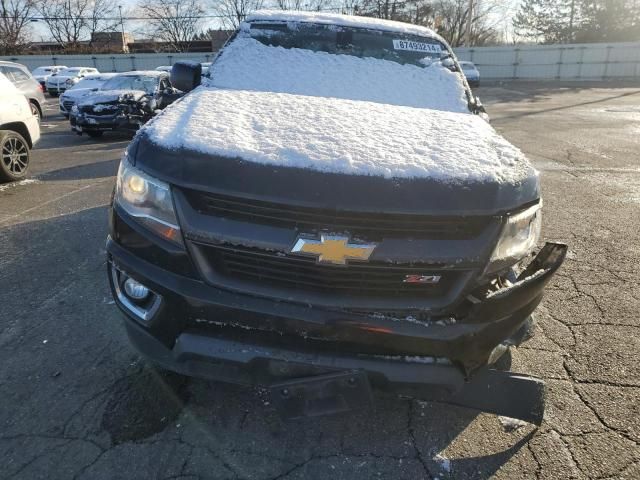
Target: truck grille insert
[302,273]
[373,226]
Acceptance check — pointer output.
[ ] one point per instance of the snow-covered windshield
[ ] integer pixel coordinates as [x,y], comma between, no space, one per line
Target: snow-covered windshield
[349,41]
[145,83]
[88,83]
[340,62]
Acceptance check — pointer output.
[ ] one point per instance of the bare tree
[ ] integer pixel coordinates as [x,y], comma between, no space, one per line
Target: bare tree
[308,5]
[233,12]
[451,17]
[66,20]
[14,24]
[102,17]
[176,22]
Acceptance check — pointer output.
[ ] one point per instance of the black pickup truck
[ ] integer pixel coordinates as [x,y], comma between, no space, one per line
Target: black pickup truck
[331,211]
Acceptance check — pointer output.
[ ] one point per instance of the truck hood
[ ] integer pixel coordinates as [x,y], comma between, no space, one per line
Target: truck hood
[112,96]
[335,153]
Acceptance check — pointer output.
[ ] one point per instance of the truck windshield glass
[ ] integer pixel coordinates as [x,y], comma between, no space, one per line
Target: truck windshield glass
[335,61]
[359,42]
[138,82]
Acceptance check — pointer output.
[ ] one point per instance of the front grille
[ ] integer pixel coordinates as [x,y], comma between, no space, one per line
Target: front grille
[304,273]
[373,226]
[100,109]
[68,105]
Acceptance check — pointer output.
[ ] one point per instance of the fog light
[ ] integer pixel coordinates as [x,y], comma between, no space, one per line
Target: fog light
[135,290]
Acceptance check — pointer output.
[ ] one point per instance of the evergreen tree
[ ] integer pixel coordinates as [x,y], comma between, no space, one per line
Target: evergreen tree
[551,21]
[609,21]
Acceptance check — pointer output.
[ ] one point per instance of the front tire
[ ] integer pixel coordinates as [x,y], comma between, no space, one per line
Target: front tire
[14,156]
[35,111]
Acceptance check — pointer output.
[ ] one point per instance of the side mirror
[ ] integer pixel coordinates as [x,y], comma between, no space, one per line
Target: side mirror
[186,75]
[480,110]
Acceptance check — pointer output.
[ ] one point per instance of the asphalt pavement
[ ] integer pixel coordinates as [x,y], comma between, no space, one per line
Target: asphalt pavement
[77,402]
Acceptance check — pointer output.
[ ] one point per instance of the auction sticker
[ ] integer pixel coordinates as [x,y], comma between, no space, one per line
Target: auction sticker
[416,46]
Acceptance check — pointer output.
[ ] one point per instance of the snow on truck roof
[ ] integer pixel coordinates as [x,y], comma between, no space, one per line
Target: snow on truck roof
[343,21]
[147,73]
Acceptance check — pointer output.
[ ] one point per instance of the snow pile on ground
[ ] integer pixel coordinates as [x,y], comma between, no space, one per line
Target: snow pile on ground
[335,135]
[443,462]
[341,20]
[511,424]
[247,64]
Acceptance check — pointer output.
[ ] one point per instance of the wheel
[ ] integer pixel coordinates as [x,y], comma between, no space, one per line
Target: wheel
[94,134]
[14,156]
[35,111]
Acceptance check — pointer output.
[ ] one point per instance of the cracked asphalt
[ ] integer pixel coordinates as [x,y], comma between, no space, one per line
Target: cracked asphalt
[76,402]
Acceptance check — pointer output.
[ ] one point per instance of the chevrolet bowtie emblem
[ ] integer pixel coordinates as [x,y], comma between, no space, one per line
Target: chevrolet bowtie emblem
[334,249]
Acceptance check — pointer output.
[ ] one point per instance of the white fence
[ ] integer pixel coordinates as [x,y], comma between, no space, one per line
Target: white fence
[594,61]
[111,62]
[590,61]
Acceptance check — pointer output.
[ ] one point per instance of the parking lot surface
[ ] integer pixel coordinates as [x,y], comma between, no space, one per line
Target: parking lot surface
[77,402]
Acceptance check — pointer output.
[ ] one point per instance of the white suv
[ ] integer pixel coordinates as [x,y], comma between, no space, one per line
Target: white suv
[41,74]
[61,81]
[19,131]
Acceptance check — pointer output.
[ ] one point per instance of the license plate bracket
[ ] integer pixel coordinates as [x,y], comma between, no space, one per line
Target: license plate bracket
[322,394]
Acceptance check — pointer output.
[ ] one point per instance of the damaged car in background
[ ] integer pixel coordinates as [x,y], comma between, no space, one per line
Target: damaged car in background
[86,86]
[123,103]
[331,211]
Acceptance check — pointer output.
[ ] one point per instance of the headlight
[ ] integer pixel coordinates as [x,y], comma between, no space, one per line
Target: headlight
[519,236]
[75,109]
[148,200]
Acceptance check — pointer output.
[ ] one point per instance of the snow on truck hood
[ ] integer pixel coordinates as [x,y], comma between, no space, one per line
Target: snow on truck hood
[108,96]
[339,114]
[339,136]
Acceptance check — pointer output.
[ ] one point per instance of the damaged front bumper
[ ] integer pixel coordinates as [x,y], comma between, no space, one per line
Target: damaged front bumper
[81,123]
[199,330]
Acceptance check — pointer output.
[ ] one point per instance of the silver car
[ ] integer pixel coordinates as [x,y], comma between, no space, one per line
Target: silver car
[471,72]
[20,76]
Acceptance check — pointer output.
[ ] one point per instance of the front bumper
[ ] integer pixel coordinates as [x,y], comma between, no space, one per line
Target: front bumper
[204,331]
[56,90]
[100,123]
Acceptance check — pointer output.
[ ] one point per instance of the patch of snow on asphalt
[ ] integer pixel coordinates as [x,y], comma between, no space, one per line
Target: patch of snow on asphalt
[27,181]
[511,424]
[443,462]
